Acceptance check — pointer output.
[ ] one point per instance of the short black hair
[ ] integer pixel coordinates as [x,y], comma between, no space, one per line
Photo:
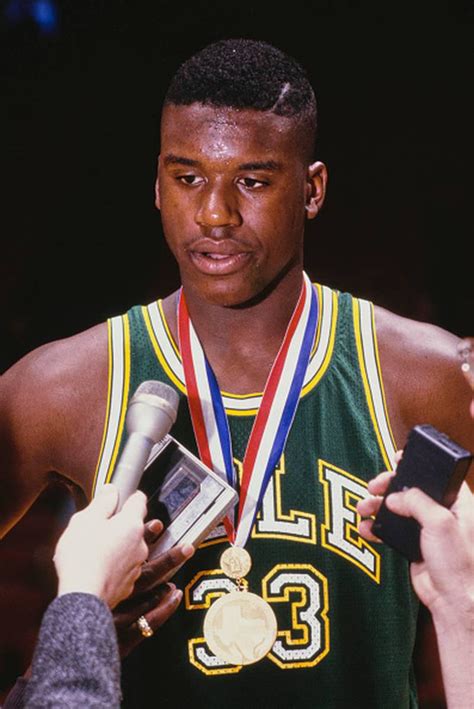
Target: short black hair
[247,74]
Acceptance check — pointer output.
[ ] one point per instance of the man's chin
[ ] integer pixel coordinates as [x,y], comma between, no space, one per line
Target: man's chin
[242,289]
[223,293]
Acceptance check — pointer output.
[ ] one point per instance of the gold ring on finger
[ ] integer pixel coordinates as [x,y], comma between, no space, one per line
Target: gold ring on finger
[144,627]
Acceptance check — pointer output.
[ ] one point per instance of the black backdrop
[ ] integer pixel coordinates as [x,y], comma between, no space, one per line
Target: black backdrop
[79,126]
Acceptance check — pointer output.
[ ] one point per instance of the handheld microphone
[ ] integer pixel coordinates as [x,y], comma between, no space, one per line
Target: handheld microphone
[151,413]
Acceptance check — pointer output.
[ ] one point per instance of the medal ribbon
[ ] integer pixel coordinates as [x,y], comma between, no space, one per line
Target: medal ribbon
[274,418]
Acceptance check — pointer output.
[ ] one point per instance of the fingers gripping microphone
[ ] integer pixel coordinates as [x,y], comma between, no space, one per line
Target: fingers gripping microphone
[151,413]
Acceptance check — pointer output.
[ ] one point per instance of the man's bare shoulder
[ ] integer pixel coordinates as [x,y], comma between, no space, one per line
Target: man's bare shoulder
[422,376]
[414,338]
[58,369]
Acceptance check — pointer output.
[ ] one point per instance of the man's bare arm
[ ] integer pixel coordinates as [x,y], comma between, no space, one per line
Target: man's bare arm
[52,408]
[423,379]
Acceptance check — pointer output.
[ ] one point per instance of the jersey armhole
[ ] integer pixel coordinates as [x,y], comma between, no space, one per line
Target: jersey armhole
[118,334]
[369,364]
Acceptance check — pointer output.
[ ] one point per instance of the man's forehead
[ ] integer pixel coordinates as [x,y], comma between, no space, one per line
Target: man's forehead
[223,125]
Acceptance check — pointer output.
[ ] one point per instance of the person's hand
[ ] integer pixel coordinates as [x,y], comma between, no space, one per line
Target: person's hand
[153,597]
[101,552]
[444,579]
[369,506]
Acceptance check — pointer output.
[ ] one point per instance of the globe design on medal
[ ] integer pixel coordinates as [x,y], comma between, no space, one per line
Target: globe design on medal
[240,628]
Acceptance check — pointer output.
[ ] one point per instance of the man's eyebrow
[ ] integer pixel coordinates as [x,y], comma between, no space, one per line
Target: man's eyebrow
[172,159]
[265,165]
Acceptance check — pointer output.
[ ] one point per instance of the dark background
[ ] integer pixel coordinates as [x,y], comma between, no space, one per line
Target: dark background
[81,240]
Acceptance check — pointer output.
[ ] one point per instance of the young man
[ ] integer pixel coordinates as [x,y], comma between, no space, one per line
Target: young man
[236,181]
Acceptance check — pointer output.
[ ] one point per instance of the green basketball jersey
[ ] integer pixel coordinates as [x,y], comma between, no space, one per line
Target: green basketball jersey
[345,610]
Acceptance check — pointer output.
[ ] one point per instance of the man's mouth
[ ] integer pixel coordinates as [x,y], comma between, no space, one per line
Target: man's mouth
[219,264]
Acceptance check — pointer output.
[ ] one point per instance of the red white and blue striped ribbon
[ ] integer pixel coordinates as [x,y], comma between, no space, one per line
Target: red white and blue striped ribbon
[275,415]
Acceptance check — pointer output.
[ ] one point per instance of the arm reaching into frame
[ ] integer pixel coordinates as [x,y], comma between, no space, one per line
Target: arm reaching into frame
[106,554]
[98,558]
[101,552]
[444,579]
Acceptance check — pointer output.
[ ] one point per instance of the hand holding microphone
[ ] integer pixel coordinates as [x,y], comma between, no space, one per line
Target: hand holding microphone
[151,413]
[101,551]
[111,564]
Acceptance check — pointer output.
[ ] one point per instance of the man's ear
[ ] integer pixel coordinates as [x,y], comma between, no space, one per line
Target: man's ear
[317,178]
[157,186]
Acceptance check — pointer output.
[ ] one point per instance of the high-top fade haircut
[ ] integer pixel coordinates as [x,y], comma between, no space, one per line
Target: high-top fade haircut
[248,74]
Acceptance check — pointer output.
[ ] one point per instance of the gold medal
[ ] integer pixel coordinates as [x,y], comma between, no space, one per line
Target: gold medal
[235,562]
[240,628]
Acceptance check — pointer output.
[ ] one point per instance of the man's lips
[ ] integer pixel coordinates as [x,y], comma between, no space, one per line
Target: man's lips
[218,263]
[218,256]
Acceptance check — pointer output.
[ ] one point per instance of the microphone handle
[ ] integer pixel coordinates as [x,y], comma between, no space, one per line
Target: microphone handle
[129,469]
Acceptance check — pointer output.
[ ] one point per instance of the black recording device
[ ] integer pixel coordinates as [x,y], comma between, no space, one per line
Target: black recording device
[433,463]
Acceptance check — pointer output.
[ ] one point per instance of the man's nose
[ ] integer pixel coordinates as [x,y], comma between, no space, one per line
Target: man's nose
[218,208]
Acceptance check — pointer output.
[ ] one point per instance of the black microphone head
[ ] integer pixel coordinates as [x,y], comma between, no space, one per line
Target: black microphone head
[152,410]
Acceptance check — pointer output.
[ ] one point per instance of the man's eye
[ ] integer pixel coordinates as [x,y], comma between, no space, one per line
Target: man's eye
[252,183]
[190,179]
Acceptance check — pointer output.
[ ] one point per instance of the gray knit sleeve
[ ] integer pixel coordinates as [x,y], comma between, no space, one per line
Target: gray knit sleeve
[76,661]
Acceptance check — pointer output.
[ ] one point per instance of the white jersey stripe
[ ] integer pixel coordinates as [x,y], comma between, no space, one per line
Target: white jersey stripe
[372,378]
[117,397]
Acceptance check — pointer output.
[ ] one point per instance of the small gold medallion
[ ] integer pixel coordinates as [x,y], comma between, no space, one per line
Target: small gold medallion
[240,628]
[235,562]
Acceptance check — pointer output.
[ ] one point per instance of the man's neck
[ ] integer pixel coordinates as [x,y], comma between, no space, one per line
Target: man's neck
[240,343]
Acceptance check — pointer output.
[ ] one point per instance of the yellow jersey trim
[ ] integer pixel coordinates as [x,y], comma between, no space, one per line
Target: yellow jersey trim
[124,397]
[109,396]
